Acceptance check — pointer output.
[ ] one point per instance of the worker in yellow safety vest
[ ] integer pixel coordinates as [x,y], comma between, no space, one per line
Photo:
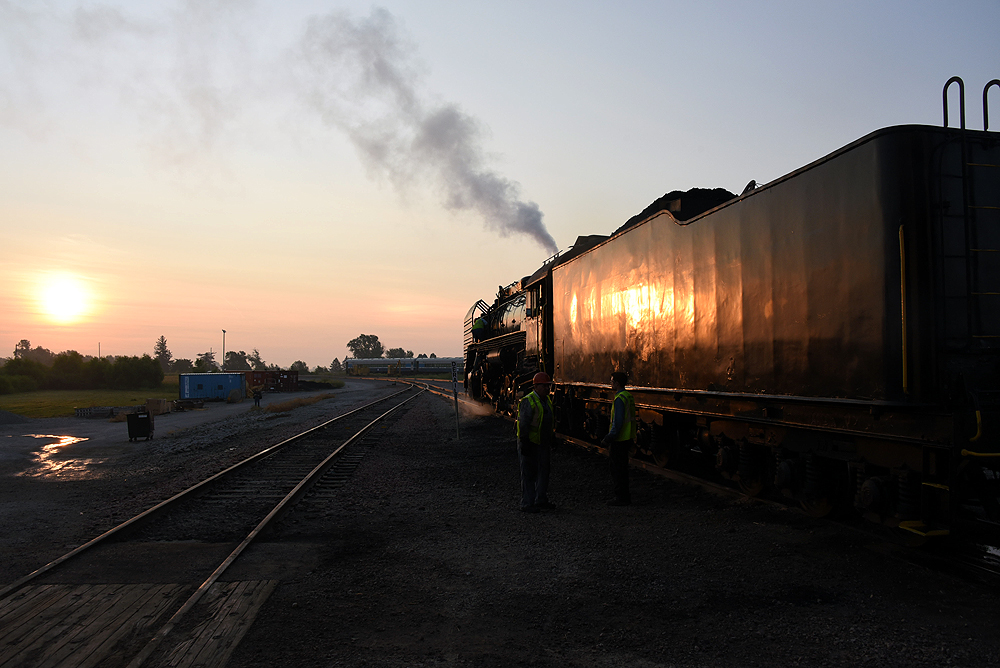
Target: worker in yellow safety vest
[535,427]
[478,329]
[620,437]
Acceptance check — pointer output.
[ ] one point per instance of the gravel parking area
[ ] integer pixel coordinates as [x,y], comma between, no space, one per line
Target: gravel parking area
[423,559]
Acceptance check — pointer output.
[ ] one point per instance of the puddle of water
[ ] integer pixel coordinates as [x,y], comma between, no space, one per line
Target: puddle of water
[50,462]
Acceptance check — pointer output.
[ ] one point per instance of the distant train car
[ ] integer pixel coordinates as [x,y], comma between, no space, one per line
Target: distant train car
[273,380]
[832,336]
[402,366]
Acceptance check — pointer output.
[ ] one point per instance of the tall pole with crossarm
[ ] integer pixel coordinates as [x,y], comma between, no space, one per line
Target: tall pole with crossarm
[223,350]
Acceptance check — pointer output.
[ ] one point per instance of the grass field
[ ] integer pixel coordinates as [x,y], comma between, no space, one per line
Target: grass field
[60,403]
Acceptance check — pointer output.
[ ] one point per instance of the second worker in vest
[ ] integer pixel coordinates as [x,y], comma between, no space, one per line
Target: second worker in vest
[535,426]
[620,437]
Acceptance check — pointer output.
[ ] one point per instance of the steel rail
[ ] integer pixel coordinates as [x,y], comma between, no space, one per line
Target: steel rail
[175,499]
[289,499]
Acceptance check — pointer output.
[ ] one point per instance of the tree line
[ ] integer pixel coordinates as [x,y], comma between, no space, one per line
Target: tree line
[38,368]
[236,360]
[70,370]
[367,346]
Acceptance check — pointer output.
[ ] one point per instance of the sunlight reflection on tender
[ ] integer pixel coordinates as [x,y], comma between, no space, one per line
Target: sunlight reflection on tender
[49,463]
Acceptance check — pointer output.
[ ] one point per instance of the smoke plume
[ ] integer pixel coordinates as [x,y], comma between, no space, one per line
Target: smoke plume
[358,75]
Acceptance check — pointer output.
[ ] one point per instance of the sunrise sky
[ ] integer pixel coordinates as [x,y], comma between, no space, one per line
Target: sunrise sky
[299,173]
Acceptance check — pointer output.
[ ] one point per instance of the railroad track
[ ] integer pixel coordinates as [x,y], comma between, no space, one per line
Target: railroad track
[102,605]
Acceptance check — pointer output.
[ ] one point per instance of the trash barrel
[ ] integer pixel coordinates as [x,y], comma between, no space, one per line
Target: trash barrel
[140,425]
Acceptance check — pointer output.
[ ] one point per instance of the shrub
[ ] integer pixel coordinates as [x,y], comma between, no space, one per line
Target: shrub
[23,384]
[131,373]
[30,368]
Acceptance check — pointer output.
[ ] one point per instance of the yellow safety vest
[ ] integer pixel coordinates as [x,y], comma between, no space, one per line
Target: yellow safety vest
[478,324]
[627,432]
[535,429]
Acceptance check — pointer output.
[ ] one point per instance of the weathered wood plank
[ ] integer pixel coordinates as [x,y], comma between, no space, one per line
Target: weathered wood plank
[13,606]
[212,634]
[103,617]
[134,624]
[76,626]
[52,628]
[212,642]
[214,600]
[26,629]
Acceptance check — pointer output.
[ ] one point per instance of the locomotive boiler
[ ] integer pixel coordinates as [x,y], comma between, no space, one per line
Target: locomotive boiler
[832,336]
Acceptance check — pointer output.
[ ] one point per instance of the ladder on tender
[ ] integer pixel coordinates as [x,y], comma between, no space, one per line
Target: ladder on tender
[968,232]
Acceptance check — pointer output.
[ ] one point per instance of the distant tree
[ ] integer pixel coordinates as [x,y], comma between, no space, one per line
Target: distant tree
[21,348]
[97,371]
[272,367]
[132,373]
[398,352]
[162,353]
[365,346]
[182,366]
[320,369]
[433,356]
[67,372]
[300,366]
[255,361]
[24,351]
[237,361]
[422,356]
[206,363]
[336,366]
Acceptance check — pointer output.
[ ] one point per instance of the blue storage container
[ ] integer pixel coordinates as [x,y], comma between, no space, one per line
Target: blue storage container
[211,385]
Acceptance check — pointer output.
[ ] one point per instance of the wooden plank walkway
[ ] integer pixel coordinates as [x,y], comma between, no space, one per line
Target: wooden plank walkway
[80,626]
[231,610]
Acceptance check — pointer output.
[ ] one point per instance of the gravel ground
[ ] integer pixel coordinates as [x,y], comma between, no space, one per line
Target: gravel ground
[55,497]
[426,560]
[422,558]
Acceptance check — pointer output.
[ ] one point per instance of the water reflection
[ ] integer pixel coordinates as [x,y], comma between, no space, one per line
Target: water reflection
[50,461]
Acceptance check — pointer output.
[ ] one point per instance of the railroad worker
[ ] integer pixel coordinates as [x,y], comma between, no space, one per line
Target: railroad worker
[535,426]
[478,329]
[620,437]
[257,394]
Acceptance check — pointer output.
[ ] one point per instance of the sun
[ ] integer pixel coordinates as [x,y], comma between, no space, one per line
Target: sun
[64,299]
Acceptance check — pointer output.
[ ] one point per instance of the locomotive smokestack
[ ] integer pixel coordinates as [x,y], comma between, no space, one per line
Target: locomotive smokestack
[358,75]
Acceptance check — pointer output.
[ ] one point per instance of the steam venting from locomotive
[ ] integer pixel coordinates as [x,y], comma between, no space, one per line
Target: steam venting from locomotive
[192,75]
[359,76]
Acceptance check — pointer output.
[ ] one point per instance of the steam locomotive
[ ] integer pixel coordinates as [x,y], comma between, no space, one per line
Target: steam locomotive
[832,336]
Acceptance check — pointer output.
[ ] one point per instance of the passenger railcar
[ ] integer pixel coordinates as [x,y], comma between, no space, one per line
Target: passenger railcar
[402,365]
[833,336]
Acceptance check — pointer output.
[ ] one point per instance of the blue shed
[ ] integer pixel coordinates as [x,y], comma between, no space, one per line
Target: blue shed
[211,385]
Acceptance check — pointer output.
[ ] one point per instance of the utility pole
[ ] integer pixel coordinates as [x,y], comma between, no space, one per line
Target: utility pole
[223,350]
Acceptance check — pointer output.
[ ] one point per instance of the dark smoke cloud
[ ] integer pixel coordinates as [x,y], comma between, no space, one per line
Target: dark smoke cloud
[359,75]
[192,74]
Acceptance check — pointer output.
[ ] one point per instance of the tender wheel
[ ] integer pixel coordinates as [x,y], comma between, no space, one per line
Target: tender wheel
[661,457]
[752,486]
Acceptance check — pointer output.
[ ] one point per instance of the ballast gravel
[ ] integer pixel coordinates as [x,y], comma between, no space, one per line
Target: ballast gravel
[424,559]
[421,557]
